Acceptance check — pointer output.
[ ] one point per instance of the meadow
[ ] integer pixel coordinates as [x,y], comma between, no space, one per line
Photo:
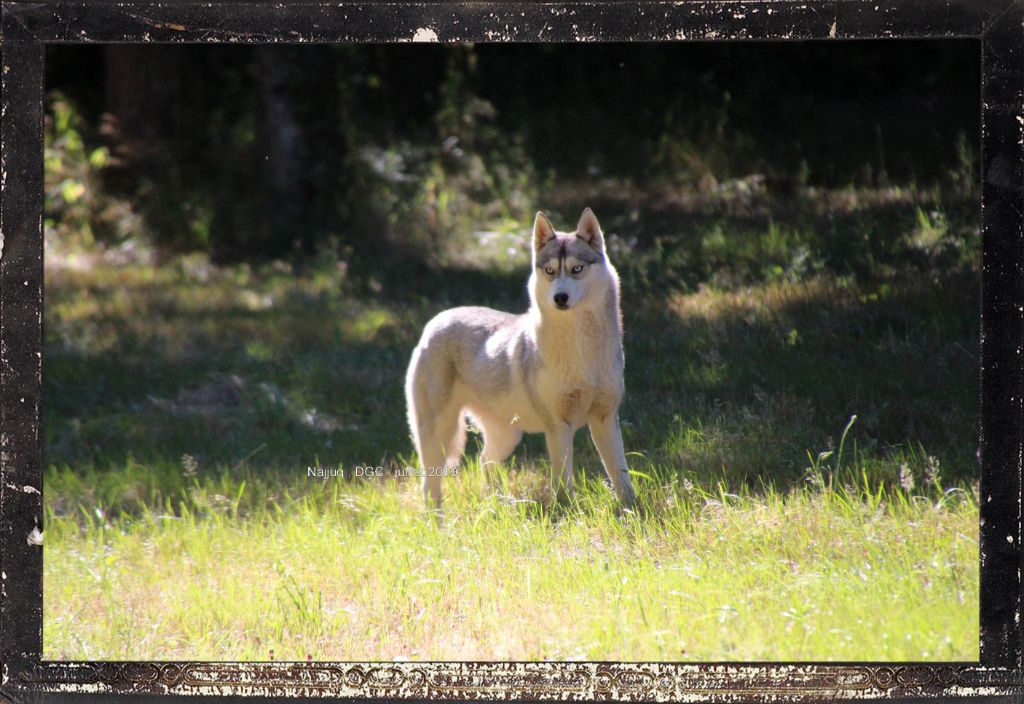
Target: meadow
[800,418]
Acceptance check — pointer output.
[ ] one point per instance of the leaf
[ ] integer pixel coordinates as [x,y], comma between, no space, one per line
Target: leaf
[72,190]
[98,158]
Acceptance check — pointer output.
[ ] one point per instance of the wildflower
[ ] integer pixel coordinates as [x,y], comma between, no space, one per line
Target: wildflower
[931,471]
[905,477]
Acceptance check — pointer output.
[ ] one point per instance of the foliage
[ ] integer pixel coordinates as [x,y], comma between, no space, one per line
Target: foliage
[402,147]
[79,212]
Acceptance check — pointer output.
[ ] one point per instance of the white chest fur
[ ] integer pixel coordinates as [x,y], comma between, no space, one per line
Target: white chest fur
[581,365]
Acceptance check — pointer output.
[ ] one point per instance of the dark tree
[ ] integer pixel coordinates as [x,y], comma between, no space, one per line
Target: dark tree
[287,153]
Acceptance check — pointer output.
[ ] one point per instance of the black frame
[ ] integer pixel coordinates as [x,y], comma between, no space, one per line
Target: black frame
[26,27]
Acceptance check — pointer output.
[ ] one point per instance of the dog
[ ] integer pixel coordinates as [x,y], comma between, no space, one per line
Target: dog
[551,370]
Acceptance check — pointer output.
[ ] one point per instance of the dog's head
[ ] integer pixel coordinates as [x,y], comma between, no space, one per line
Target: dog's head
[569,268]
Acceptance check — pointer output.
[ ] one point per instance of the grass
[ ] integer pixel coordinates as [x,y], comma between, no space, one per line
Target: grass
[800,415]
[356,571]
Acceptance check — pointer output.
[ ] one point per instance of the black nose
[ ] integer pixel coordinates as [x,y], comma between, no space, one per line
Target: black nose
[561,299]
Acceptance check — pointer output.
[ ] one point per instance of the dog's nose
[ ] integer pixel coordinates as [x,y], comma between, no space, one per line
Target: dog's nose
[561,299]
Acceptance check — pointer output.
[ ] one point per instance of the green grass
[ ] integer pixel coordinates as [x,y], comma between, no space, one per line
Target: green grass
[184,403]
[355,570]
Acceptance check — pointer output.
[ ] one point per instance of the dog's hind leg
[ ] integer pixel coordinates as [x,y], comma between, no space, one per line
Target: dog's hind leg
[500,439]
[455,435]
[442,439]
[431,454]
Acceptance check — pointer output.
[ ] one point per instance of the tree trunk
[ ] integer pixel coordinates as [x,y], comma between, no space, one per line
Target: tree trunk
[286,150]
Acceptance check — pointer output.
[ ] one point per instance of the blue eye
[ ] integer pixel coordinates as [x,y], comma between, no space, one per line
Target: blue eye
[577,269]
[549,270]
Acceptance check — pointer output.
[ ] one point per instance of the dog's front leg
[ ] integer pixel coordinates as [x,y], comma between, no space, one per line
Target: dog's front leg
[608,440]
[560,453]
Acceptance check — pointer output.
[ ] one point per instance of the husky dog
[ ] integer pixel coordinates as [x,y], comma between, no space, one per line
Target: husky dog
[550,370]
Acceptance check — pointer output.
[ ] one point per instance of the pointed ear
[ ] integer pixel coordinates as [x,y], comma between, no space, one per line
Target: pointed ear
[542,231]
[589,230]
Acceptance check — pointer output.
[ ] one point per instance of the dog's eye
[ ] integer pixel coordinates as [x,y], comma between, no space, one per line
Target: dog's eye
[577,269]
[549,270]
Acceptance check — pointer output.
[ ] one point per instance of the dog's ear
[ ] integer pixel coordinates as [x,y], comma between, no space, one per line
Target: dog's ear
[542,231]
[589,230]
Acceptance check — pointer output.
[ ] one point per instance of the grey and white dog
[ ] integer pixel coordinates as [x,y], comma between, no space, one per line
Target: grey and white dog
[550,370]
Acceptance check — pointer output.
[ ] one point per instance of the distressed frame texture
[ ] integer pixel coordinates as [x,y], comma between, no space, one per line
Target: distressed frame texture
[25,29]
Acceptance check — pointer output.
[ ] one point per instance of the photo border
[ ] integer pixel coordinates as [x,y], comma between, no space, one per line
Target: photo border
[27,27]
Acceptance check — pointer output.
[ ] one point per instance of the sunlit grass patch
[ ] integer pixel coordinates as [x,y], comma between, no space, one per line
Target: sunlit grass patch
[357,570]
